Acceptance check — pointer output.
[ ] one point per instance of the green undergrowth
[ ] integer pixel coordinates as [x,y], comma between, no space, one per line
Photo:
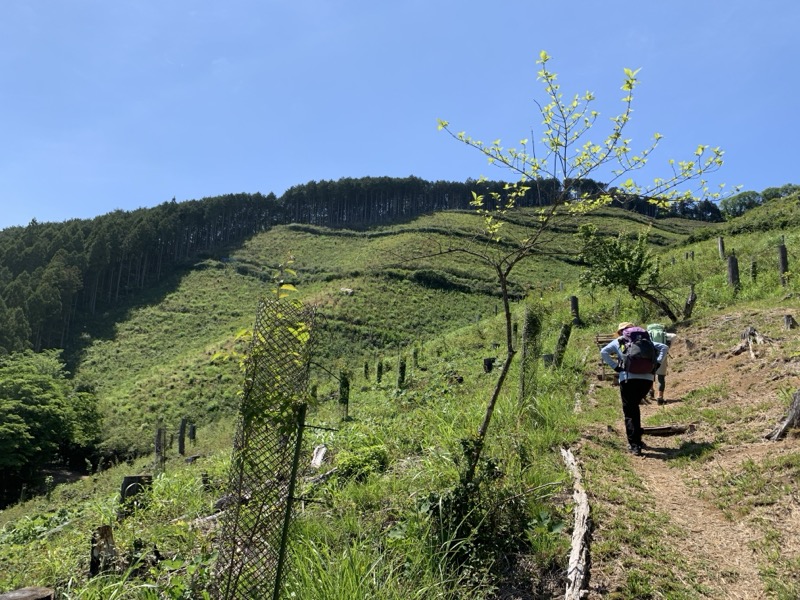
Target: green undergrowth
[372,530]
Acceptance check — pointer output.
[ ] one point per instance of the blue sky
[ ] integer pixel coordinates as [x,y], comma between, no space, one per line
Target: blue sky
[122,104]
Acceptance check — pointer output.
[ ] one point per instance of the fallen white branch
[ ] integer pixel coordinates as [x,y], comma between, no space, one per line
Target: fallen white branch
[579,555]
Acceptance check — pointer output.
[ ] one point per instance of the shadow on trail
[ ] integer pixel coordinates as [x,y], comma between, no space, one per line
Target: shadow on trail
[687,450]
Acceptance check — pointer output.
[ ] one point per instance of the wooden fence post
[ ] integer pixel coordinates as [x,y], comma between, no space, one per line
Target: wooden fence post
[160,448]
[721,246]
[344,392]
[783,263]
[573,306]
[182,437]
[561,345]
[733,271]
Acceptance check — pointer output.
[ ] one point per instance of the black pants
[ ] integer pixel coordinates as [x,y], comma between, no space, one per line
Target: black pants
[633,392]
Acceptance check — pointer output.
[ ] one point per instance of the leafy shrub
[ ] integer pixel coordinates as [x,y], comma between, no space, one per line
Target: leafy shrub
[358,464]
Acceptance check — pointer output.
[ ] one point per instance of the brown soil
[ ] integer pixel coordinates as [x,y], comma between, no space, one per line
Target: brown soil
[724,548]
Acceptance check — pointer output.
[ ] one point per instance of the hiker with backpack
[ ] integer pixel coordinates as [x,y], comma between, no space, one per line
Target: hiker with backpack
[635,358]
[658,333]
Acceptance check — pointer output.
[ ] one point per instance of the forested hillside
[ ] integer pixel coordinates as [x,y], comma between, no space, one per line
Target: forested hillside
[72,286]
[53,275]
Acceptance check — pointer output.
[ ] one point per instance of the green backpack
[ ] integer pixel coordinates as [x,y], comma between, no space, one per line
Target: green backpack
[658,333]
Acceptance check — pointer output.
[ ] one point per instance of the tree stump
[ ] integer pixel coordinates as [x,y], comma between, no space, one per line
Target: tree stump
[488,364]
[104,553]
[791,421]
[132,486]
[318,456]
[691,300]
[30,593]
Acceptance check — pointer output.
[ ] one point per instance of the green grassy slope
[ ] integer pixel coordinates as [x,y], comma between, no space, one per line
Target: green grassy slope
[173,354]
[176,353]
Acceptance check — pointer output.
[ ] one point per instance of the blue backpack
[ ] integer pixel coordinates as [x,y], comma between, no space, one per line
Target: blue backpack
[638,352]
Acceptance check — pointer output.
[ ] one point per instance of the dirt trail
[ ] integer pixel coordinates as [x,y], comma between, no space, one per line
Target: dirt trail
[725,547]
[726,553]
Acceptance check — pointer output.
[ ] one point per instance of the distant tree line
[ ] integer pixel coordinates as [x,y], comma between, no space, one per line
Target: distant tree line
[53,273]
[738,204]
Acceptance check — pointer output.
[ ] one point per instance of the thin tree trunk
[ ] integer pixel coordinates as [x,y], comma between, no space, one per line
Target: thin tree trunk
[662,304]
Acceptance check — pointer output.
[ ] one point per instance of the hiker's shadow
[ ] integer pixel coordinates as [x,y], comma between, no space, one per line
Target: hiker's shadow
[688,450]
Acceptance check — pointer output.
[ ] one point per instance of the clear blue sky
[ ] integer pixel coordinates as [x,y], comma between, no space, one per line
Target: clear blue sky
[108,104]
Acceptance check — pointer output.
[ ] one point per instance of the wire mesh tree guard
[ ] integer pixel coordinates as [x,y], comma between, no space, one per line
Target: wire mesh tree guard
[266,453]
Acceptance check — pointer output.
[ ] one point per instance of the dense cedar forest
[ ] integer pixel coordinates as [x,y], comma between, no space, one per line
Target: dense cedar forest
[52,274]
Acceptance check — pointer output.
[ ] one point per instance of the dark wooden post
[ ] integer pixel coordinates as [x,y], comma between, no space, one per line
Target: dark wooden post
[573,306]
[733,272]
[753,270]
[160,448]
[721,246]
[182,436]
[783,263]
[192,433]
[691,255]
[401,372]
[561,345]
[529,352]
[488,364]
[344,392]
